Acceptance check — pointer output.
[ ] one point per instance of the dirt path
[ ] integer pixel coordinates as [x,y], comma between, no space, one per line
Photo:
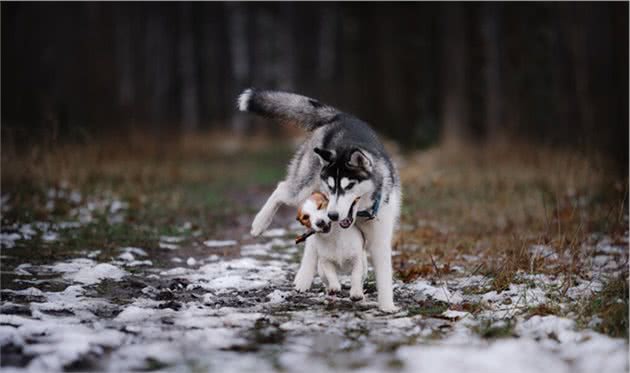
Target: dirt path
[112,283]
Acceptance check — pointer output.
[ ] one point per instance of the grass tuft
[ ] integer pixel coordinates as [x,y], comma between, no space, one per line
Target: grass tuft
[610,306]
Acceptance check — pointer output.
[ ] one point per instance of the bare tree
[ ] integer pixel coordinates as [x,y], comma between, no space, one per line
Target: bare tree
[454,64]
[237,25]
[188,70]
[495,127]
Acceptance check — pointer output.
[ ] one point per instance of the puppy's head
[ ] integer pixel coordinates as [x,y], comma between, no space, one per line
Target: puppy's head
[313,213]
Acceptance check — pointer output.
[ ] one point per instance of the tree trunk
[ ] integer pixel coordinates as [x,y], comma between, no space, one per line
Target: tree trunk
[188,71]
[237,25]
[495,127]
[455,60]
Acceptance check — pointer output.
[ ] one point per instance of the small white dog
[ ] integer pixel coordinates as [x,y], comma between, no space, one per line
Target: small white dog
[331,250]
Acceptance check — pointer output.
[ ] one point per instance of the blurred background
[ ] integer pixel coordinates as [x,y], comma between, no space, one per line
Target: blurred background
[420,73]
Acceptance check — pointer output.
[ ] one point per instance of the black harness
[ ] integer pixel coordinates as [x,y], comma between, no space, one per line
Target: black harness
[371,213]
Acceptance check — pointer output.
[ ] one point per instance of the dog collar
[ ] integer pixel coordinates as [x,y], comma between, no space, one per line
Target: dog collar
[371,213]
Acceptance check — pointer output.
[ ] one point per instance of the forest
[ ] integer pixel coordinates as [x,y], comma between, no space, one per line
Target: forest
[421,73]
[130,184]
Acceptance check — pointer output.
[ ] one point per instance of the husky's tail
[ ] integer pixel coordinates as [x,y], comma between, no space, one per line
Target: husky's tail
[306,112]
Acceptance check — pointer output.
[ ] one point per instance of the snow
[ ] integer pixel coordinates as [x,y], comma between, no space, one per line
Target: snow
[133,314]
[216,243]
[278,296]
[86,271]
[451,314]
[255,249]
[441,293]
[169,246]
[589,351]
[504,355]
[127,256]
[134,250]
[276,232]
[27,231]
[172,239]
[216,307]
[50,237]
[7,240]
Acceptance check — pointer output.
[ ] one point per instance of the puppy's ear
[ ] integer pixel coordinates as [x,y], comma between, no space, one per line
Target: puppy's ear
[325,156]
[320,199]
[360,160]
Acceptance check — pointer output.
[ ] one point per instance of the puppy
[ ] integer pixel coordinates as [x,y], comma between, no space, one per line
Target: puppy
[331,249]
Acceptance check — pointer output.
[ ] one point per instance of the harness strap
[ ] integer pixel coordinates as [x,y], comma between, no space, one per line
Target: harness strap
[371,213]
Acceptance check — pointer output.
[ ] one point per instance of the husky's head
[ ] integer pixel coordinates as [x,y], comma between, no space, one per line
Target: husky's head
[346,176]
[313,213]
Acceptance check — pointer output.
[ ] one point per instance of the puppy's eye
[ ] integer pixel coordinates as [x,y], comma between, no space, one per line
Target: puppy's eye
[350,186]
[306,217]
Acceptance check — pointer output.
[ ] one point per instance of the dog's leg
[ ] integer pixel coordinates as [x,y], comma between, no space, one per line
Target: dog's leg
[308,266]
[356,279]
[330,273]
[379,234]
[320,272]
[382,261]
[281,195]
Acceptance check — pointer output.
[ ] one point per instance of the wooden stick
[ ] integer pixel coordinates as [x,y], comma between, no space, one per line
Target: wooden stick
[304,236]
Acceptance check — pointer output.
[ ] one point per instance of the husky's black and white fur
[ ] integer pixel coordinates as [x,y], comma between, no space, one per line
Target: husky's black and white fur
[344,159]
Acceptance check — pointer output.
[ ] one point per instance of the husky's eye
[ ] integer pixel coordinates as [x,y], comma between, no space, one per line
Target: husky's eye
[350,186]
[331,182]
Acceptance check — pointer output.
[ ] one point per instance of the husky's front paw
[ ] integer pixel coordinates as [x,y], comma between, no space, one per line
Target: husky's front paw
[356,296]
[388,308]
[261,222]
[301,285]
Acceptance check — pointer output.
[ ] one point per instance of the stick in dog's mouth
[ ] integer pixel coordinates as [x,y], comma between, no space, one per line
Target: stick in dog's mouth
[304,236]
[347,222]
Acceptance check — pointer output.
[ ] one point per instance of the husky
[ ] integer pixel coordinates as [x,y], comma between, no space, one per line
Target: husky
[331,250]
[343,158]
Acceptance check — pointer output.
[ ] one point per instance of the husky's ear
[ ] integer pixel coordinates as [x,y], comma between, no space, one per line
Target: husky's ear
[361,160]
[326,156]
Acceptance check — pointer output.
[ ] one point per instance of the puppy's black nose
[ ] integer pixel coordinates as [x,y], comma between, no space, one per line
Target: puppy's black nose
[320,223]
[334,216]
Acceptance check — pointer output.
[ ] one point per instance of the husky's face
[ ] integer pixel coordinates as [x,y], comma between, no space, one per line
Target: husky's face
[313,213]
[346,178]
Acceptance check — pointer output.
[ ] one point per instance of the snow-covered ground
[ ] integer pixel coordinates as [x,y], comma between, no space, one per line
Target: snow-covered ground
[240,313]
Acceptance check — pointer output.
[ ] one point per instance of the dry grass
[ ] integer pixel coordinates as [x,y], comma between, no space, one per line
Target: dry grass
[483,208]
[478,207]
[132,158]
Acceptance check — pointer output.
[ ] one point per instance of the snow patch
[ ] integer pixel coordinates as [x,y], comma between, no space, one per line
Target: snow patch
[276,232]
[514,355]
[440,293]
[217,243]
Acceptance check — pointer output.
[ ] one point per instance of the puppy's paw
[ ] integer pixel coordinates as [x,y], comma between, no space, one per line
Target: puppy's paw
[356,296]
[388,308]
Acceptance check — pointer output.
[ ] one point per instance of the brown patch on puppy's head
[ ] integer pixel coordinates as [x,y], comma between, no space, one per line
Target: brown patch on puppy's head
[318,201]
